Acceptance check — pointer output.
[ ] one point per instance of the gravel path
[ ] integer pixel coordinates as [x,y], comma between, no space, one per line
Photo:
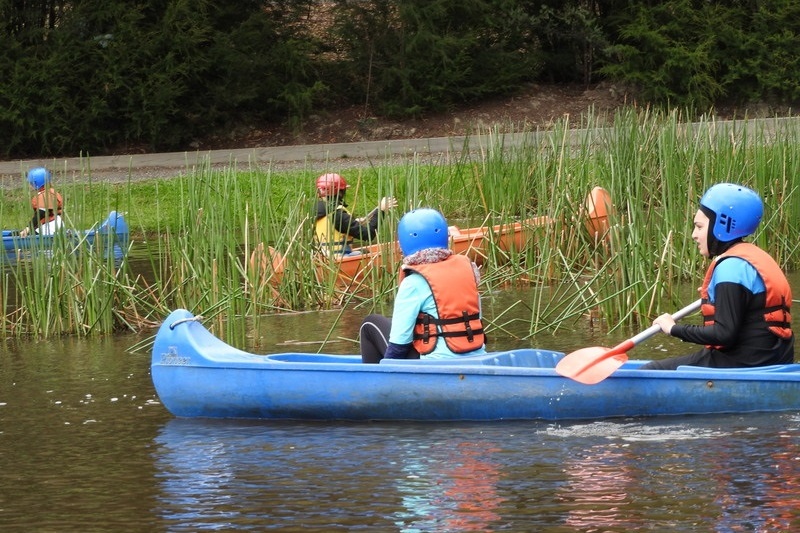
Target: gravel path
[322,157]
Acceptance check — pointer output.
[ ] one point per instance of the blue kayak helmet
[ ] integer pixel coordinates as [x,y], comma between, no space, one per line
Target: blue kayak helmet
[38,177]
[420,229]
[737,211]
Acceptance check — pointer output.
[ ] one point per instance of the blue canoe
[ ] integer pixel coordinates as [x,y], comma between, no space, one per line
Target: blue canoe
[197,375]
[112,234]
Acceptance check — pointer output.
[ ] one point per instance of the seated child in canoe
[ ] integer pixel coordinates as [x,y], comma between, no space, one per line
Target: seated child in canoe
[47,204]
[437,309]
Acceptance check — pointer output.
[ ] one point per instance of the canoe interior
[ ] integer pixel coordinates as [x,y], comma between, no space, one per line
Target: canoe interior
[527,358]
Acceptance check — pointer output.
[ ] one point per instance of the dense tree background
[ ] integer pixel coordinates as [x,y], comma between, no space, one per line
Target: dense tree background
[89,75]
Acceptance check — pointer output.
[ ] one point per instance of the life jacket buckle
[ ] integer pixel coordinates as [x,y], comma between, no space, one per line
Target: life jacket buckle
[426,332]
[467,326]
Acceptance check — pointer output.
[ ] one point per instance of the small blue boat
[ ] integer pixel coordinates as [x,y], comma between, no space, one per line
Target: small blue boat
[197,375]
[112,234]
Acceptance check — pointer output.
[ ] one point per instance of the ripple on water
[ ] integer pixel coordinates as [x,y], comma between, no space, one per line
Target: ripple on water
[636,431]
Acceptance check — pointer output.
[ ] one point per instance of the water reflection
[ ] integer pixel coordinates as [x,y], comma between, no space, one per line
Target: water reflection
[197,471]
[783,495]
[726,473]
[212,474]
[721,470]
[473,488]
[456,490]
[598,490]
[757,484]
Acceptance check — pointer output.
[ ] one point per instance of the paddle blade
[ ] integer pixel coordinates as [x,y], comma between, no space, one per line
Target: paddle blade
[592,365]
[597,209]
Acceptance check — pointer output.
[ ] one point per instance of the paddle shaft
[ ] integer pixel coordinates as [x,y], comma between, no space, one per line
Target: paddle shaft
[366,218]
[646,334]
[392,203]
[655,328]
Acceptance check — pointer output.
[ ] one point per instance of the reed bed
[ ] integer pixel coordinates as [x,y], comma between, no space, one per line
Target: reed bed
[198,231]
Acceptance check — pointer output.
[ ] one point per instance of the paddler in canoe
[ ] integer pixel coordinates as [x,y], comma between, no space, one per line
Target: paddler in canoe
[334,227]
[437,309]
[746,298]
[473,242]
[46,202]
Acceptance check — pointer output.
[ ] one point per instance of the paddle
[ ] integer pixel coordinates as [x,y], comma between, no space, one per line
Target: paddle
[391,202]
[369,215]
[593,365]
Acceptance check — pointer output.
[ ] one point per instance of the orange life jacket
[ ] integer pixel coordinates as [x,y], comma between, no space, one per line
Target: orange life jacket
[48,203]
[455,292]
[777,309]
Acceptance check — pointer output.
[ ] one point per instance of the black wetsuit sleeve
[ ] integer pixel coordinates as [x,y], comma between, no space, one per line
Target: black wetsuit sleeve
[397,351]
[344,223]
[730,308]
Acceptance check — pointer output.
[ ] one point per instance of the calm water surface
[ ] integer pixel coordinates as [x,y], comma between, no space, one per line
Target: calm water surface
[86,446]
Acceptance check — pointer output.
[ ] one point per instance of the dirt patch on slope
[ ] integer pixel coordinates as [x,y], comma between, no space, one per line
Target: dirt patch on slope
[534,107]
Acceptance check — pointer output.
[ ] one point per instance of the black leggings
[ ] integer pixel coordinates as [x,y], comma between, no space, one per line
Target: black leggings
[374,333]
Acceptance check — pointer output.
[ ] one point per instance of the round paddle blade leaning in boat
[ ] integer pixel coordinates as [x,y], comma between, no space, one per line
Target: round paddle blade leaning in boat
[597,208]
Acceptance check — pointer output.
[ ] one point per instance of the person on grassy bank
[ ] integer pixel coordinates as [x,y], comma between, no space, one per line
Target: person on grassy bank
[47,204]
[437,309]
[746,298]
[335,228]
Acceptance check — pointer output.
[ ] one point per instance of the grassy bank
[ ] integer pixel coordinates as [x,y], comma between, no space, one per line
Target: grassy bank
[198,231]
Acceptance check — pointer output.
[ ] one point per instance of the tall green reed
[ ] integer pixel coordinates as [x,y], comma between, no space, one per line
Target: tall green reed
[200,230]
[63,284]
[657,167]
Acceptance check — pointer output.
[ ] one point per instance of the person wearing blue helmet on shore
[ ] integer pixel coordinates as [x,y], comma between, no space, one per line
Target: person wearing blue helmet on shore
[746,298]
[437,309]
[47,204]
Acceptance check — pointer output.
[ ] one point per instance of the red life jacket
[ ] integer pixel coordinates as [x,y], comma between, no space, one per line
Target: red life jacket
[777,309]
[455,292]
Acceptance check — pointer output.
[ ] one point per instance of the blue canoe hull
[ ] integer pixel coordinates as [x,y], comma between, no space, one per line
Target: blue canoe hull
[197,375]
[112,234]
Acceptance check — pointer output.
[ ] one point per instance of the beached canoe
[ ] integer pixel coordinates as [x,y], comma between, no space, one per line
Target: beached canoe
[111,234]
[197,375]
[476,243]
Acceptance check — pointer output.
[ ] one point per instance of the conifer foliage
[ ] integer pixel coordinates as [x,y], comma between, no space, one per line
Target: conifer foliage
[88,76]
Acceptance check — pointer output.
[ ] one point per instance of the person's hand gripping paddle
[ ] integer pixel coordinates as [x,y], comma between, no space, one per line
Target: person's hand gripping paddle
[593,365]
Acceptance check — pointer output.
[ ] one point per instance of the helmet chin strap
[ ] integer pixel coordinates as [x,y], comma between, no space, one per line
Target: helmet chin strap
[719,247]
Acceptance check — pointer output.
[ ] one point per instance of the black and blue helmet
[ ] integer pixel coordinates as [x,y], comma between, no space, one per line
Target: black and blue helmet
[737,211]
